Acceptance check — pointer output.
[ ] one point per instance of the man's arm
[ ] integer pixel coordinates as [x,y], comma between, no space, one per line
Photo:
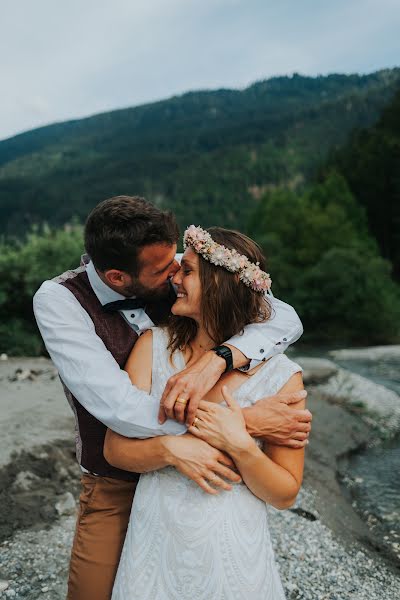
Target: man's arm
[258,342]
[89,370]
[261,341]
[198,461]
[274,420]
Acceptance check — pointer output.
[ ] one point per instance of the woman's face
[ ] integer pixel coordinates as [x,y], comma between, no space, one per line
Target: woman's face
[187,281]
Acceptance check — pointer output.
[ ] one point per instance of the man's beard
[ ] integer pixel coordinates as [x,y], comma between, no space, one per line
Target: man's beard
[139,290]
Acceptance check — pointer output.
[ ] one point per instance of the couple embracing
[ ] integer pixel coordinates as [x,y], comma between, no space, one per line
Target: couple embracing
[189,417]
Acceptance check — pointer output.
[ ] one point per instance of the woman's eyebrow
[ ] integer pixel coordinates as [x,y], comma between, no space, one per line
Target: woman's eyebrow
[186,262]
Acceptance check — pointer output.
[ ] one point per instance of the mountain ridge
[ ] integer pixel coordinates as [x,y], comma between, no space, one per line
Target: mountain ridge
[198,153]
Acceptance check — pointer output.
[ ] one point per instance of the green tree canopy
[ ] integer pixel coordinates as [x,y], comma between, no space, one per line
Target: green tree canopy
[23,267]
[323,260]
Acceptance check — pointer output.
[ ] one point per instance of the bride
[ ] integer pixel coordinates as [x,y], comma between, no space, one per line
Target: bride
[182,542]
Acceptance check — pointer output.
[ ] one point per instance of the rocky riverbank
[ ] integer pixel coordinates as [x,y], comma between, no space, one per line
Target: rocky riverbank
[325,549]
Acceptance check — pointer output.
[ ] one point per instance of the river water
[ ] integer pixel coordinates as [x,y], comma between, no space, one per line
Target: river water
[372,477]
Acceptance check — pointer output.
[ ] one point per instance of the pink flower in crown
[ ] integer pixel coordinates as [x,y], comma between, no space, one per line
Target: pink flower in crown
[198,245]
[249,273]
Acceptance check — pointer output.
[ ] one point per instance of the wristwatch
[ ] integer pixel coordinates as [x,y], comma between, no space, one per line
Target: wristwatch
[225,353]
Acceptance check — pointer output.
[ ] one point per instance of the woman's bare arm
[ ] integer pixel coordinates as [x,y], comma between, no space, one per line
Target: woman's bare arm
[275,474]
[192,457]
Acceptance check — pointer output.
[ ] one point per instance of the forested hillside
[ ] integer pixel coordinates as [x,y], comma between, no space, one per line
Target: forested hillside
[308,167]
[209,155]
[370,162]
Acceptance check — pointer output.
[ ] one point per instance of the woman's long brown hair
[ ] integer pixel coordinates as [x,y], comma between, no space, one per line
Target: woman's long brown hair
[227,304]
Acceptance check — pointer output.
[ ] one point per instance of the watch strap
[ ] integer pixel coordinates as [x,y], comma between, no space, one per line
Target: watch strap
[225,353]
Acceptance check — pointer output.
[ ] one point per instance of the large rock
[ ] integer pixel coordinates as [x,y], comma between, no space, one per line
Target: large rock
[316,370]
[66,504]
[361,393]
[371,353]
[24,481]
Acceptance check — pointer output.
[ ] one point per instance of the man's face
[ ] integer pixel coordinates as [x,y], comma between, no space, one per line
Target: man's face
[157,266]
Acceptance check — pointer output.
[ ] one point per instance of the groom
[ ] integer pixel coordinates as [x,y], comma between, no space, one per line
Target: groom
[90,318]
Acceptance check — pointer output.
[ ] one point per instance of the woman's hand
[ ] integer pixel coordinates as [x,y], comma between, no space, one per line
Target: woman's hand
[221,427]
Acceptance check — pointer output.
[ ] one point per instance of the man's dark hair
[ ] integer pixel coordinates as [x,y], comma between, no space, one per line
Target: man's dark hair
[119,227]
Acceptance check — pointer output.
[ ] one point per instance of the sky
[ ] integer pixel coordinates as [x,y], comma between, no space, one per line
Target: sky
[61,60]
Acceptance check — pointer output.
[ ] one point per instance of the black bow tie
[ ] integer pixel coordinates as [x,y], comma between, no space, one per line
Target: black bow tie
[128,304]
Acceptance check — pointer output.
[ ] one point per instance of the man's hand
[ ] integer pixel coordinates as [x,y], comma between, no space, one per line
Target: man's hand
[200,462]
[185,389]
[272,419]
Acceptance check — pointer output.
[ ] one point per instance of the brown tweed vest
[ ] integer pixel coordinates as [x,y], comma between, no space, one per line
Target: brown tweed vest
[119,338]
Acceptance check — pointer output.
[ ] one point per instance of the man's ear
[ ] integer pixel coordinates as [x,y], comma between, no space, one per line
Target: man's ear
[115,277]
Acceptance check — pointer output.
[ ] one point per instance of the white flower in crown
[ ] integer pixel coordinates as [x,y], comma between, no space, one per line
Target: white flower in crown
[219,256]
[249,273]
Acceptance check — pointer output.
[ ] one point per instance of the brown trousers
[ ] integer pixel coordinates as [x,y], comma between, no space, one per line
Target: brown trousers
[104,509]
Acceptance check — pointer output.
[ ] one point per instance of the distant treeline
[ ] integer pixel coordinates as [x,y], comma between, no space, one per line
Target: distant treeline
[320,254]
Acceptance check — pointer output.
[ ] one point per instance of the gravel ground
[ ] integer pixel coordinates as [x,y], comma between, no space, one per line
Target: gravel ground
[325,551]
[313,564]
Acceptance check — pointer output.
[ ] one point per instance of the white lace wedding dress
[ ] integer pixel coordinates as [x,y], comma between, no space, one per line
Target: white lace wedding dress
[185,544]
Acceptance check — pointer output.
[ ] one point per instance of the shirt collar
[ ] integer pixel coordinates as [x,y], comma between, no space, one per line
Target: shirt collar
[104,293]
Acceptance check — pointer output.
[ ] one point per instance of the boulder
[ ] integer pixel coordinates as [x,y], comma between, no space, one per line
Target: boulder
[24,481]
[66,505]
[316,370]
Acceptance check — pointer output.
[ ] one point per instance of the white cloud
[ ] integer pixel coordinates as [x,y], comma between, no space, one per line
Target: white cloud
[61,60]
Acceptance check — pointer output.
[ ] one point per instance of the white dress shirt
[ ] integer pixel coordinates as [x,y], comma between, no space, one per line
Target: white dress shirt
[94,377]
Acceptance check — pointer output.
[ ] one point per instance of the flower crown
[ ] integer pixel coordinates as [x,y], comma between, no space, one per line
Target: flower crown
[217,254]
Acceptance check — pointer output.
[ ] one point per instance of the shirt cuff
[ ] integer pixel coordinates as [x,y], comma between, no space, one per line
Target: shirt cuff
[254,347]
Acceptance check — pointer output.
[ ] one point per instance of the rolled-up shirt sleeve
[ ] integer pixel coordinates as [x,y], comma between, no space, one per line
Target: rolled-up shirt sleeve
[90,371]
[260,341]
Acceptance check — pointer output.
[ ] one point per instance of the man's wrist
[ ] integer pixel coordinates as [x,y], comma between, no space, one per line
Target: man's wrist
[167,454]
[239,359]
[217,361]
[251,421]
[243,447]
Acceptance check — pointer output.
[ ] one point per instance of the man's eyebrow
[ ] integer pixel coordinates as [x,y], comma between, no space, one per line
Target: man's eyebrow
[166,267]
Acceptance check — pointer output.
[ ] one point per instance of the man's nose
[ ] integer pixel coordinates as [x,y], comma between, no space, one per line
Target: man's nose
[176,276]
[174,268]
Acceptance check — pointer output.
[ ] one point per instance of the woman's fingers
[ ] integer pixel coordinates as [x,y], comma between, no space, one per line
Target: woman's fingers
[225,459]
[227,473]
[202,415]
[205,486]
[195,431]
[162,417]
[217,481]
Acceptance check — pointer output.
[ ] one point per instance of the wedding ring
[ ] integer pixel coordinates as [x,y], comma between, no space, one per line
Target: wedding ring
[182,400]
[195,421]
